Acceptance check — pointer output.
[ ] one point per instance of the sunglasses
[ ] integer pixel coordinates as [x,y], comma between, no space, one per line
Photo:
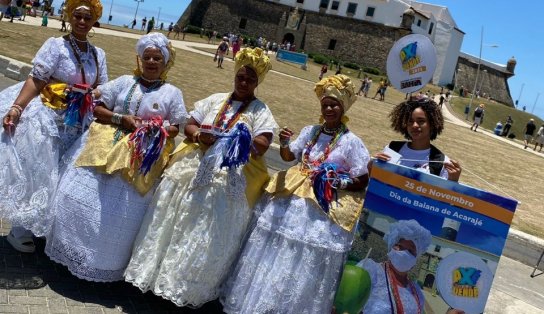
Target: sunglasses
[85,17]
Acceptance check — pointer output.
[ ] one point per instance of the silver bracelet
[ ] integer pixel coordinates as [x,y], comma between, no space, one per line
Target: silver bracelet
[116,118]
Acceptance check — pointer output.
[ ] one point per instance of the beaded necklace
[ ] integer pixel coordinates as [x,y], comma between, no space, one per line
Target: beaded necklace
[82,55]
[393,290]
[128,100]
[221,123]
[306,164]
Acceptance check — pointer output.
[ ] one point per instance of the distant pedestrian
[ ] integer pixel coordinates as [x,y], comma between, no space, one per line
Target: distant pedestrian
[170,29]
[507,126]
[222,49]
[529,130]
[524,108]
[477,117]
[133,23]
[339,70]
[362,88]
[144,23]
[441,101]
[462,91]
[467,111]
[539,138]
[63,24]
[150,25]
[367,86]
[236,45]
[381,90]
[162,26]
[4,5]
[498,128]
[45,20]
[324,70]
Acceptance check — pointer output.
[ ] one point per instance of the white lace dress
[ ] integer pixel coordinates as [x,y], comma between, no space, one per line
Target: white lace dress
[97,216]
[378,302]
[293,258]
[29,160]
[193,229]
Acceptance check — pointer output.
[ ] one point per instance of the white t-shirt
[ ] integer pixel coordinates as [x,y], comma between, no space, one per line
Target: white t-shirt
[419,159]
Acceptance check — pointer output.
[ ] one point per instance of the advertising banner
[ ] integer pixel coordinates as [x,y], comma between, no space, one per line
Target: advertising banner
[291,56]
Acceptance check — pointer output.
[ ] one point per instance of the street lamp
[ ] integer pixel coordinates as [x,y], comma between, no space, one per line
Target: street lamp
[137,6]
[533,110]
[481,83]
[158,16]
[478,69]
[110,17]
[519,97]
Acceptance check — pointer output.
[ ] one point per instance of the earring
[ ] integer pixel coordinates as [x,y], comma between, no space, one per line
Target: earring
[93,33]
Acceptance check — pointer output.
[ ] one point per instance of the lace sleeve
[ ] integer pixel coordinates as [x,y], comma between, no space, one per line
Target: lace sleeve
[46,60]
[263,121]
[371,267]
[203,108]
[297,145]
[177,112]
[357,157]
[102,66]
[110,90]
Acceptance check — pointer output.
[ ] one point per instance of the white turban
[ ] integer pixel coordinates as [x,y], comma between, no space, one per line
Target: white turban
[408,230]
[154,40]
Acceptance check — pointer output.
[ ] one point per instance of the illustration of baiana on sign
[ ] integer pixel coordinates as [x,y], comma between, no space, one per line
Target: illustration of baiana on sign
[411,63]
[451,237]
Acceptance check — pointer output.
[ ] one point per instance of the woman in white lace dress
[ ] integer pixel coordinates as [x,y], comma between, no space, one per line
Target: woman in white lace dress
[34,134]
[392,291]
[293,258]
[102,195]
[194,227]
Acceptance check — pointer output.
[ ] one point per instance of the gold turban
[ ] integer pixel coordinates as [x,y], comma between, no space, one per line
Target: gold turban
[95,5]
[339,87]
[255,59]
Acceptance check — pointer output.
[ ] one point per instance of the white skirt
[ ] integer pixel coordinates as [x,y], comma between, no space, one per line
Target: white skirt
[191,234]
[97,218]
[291,262]
[29,163]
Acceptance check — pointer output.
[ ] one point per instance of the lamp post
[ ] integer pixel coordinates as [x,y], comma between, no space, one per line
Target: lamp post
[534,105]
[109,16]
[478,69]
[481,83]
[158,17]
[137,6]
[521,91]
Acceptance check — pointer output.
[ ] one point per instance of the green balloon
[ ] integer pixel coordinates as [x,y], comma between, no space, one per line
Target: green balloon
[353,291]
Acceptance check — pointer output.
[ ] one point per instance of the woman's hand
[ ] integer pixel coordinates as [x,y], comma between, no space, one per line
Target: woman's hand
[285,134]
[454,170]
[382,156]
[130,123]
[285,138]
[10,120]
[206,138]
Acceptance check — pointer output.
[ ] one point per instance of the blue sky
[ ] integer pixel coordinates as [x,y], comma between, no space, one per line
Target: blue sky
[510,25]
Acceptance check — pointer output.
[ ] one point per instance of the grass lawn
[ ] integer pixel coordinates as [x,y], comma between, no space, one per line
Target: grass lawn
[512,170]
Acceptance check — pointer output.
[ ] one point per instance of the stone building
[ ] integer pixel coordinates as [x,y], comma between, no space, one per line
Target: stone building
[359,31]
[492,80]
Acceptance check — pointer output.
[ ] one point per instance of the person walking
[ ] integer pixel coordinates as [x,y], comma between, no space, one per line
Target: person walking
[170,29]
[222,50]
[477,117]
[150,25]
[539,138]
[133,23]
[144,23]
[529,130]
[507,126]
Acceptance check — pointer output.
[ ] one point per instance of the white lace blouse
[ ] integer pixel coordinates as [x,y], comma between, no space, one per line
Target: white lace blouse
[350,153]
[56,60]
[257,116]
[166,101]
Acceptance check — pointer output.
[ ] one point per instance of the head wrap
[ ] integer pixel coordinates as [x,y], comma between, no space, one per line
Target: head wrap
[159,41]
[255,59]
[339,87]
[408,230]
[94,5]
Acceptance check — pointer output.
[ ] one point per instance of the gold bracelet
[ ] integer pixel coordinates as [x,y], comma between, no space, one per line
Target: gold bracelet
[196,137]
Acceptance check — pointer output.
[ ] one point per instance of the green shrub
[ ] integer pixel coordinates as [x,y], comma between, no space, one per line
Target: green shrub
[372,70]
[193,29]
[321,59]
[311,55]
[352,65]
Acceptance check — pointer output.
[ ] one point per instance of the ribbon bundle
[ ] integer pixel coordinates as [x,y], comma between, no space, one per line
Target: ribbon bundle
[80,106]
[325,183]
[148,142]
[237,147]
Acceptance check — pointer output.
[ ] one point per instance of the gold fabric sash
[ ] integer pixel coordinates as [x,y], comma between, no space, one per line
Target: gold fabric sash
[53,96]
[255,171]
[293,182]
[105,157]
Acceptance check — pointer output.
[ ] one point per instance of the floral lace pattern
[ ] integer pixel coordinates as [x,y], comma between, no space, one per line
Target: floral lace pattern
[97,217]
[29,163]
[190,236]
[291,262]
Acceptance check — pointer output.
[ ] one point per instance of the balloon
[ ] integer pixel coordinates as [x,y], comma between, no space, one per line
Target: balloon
[353,291]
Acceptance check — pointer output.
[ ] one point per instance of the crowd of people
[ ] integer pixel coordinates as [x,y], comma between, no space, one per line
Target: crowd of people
[91,165]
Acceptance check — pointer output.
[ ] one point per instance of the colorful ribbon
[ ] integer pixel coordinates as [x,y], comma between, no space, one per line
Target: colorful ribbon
[326,180]
[147,143]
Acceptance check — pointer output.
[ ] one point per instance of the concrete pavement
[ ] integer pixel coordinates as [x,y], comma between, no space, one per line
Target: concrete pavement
[33,284]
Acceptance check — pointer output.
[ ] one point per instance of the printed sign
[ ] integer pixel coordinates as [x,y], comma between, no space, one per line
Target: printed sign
[411,63]
[293,57]
[466,228]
